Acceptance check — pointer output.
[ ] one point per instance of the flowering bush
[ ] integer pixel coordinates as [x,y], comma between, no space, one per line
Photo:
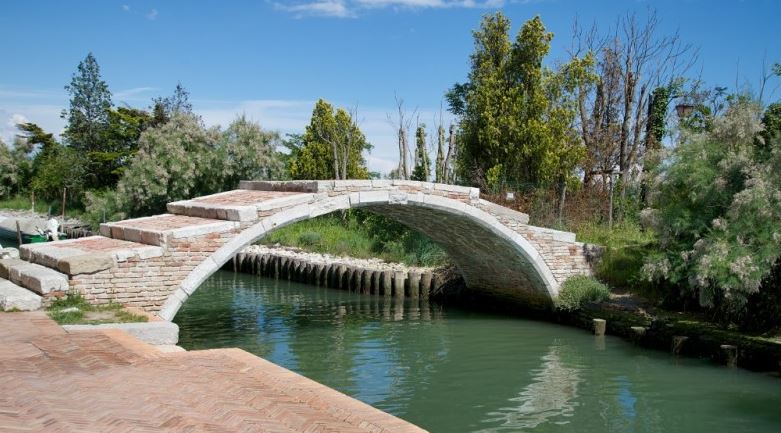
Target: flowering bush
[717,209]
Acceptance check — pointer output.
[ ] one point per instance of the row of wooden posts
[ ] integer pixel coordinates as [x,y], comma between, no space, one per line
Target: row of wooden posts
[414,283]
[729,351]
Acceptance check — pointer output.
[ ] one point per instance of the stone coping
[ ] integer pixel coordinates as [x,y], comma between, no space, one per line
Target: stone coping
[159,229]
[86,255]
[319,186]
[239,205]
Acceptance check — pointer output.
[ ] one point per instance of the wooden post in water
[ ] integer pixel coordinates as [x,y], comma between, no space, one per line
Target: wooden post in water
[678,342]
[731,355]
[599,327]
[425,285]
[399,278]
[414,284]
[18,233]
[387,282]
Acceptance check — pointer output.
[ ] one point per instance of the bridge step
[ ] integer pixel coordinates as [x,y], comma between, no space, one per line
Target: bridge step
[86,255]
[13,297]
[239,204]
[39,279]
[161,229]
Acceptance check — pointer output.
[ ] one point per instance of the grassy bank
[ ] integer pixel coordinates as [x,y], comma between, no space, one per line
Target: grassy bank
[45,207]
[362,236]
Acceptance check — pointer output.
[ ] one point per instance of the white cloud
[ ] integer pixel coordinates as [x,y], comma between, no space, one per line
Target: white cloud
[326,8]
[134,94]
[351,8]
[126,8]
[152,15]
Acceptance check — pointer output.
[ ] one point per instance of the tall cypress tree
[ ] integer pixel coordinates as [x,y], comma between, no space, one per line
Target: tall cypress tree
[90,101]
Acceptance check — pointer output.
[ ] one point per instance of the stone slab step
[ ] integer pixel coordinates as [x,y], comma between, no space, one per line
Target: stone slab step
[13,297]
[86,255]
[240,204]
[159,230]
[155,333]
[32,276]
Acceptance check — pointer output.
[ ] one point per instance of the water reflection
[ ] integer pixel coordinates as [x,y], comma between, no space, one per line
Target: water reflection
[453,371]
[549,397]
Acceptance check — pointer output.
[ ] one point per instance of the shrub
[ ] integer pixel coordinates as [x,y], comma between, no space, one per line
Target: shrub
[580,290]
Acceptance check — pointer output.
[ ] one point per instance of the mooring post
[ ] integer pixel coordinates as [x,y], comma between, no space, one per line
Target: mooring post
[678,343]
[638,332]
[599,327]
[399,278]
[414,284]
[731,354]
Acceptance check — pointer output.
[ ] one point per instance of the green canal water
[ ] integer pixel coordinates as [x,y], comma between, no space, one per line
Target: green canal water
[449,370]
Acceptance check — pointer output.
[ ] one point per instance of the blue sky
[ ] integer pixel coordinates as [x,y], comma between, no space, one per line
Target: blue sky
[272,59]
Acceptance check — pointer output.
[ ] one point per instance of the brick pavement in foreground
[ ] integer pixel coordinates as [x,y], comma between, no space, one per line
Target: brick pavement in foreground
[106,381]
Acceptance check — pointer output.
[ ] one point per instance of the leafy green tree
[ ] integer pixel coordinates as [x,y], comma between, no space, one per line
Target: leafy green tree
[163,108]
[8,171]
[121,142]
[422,163]
[716,212]
[331,148]
[249,153]
[175,161]
[58,168]
[88,120]
[771,120]
[511,123]
[90,102]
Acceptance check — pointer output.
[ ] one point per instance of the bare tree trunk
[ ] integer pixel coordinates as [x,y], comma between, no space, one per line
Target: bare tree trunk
[451,154]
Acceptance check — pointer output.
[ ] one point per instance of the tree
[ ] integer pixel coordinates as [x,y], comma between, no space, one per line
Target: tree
[8,171]
[175,161]
[332,147]
[422,163]
[124,130]
[440,168]
[164,108]
[248,153]
[90,102]
[632,59]
[511,123]
[402,124]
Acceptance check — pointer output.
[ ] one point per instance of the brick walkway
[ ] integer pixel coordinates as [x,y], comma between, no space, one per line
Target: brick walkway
[53,381]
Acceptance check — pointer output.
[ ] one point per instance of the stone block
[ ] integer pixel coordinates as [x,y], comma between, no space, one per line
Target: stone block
[157,333]
[85,263]
[13,297]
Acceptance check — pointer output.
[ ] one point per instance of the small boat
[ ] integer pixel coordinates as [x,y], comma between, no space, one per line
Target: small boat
[29,228]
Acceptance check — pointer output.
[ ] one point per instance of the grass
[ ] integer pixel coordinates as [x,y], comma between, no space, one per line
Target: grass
[86,314]
[626,246]
[351,236]
[41,206]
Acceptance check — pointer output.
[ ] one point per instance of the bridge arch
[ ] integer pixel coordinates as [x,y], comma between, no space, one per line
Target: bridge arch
[489,254]
[156,263]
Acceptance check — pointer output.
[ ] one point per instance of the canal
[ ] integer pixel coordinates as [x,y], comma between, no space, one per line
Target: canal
[450,370]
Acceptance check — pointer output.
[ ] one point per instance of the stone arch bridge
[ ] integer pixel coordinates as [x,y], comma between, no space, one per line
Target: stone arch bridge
[157,262]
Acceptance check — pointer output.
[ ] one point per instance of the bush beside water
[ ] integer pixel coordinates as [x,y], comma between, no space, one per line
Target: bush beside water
[580,290]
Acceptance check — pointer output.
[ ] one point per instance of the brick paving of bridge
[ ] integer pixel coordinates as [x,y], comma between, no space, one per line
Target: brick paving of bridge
[54,381]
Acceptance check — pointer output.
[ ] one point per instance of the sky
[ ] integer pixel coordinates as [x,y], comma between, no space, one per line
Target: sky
[271,60]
